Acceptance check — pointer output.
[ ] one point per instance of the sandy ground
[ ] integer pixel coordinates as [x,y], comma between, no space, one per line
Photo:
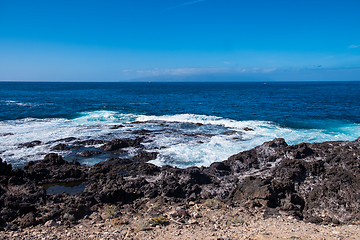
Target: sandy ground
[194,222]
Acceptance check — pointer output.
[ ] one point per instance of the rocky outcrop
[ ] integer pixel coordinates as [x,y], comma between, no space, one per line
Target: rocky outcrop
[117,144]
[54,169]
[29,144]
[321,179]
[316,182]
[18,197]
[145,156]
[89,153]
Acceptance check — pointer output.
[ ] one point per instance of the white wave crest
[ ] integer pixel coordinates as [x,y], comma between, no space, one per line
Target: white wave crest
[189,139]
[104,117]
[12,103]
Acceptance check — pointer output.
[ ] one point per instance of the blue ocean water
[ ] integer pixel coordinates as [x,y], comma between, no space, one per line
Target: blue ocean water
[296,111]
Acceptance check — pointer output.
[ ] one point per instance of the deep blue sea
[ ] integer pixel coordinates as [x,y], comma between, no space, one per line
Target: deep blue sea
[295,111]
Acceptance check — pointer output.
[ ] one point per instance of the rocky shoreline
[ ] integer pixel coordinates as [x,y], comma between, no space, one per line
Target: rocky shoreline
[316,183]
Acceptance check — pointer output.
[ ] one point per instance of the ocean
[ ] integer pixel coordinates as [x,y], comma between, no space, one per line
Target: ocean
[196,123]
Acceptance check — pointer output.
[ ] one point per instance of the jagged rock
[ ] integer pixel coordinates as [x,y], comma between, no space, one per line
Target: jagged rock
[88,142]
[5,168]
[117,126]
[89,153]
[27,220]
[218,169]
[60,147]
[29,144]
[117,144]
[123,167]
[142,132]
[324,176]
[144,156]
[53,159]
[317,182]
[114,145]
[24,197]
[258,192]
[54,169]
[6,134]
[8,215]
[258,157]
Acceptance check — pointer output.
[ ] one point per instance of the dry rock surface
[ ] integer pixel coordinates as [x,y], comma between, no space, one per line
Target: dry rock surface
[273,191]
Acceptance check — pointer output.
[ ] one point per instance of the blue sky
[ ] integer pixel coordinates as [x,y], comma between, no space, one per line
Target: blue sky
[180,40]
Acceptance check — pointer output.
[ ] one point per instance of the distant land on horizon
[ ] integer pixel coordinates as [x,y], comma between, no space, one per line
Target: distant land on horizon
[304,75]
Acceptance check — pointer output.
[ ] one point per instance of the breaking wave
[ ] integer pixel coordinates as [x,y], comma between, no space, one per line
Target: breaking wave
[182,140]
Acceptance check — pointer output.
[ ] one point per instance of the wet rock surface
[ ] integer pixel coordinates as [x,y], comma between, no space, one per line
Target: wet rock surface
[29,144]
[314,182]
[117,144]
[89,153]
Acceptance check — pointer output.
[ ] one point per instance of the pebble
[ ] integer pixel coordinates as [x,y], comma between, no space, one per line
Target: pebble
[199,224]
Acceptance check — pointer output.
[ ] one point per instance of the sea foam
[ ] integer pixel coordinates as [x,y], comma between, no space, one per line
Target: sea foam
[182,140]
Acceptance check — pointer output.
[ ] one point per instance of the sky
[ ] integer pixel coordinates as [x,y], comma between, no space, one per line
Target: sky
[179,40]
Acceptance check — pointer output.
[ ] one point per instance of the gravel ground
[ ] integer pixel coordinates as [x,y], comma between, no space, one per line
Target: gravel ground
[192,222]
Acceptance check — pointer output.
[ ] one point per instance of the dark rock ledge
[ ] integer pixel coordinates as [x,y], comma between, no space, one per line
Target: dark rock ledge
[316,182]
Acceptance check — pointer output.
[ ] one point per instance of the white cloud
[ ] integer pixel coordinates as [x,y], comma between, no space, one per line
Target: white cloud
[180,71]
[194,71]
[184,4]
[313,73]
[128,71]
[354,46]
[267,70]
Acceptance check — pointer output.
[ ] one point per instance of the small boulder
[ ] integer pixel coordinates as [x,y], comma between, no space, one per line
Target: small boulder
[27,220]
